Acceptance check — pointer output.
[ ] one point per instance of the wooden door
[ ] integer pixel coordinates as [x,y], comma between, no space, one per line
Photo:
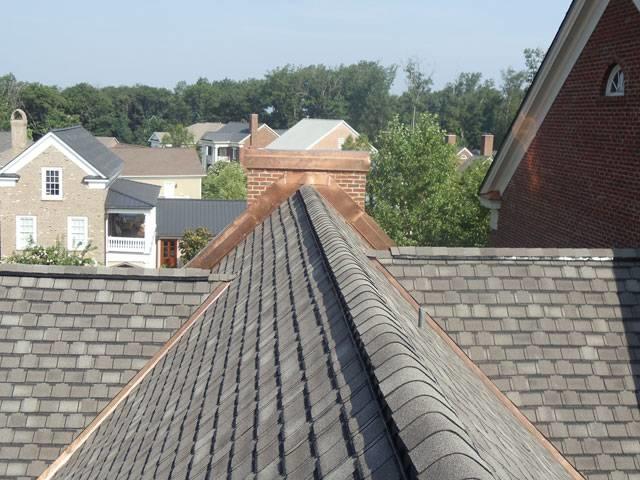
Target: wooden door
[168,253]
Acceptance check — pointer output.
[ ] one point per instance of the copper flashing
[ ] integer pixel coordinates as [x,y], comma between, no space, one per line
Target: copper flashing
[129,387]
[307,160]
[508,404]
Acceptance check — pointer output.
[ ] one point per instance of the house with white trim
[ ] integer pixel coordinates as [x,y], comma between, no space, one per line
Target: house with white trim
[315,134]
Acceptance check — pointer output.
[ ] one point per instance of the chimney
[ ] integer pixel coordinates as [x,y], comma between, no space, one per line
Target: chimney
[19,130]
[253,128]
[486,145]
[343,168]
[451,138]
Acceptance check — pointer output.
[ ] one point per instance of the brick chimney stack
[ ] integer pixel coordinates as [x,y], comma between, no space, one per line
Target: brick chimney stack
[345,169]
[253,128]
[19,130]
[486,145]
[451,138]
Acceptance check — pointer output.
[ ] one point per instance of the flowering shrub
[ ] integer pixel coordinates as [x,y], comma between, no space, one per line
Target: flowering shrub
[53,255]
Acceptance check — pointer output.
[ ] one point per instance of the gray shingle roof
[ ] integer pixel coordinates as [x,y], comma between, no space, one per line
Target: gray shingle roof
[128,194]
[557,330]
[304,134]
[310,365]
[175,215]
[5,141]
[233,132]
[70,338]
[91,149]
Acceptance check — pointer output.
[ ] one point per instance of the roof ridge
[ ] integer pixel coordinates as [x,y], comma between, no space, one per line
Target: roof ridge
[387,349]
[62,129]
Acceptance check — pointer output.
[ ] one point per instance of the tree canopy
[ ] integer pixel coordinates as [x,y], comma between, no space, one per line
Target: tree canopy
[225,181]
[359,93]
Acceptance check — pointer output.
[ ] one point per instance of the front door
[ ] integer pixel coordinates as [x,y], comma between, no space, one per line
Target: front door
[168,253]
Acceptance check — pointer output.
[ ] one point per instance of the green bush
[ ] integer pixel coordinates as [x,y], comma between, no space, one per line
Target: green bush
[225,181]
[193,241]
[54,255]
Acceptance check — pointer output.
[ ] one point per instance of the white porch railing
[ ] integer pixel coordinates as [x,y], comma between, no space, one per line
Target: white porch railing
[126,244]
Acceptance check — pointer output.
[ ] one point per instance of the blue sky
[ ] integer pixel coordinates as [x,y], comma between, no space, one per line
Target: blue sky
[162,42]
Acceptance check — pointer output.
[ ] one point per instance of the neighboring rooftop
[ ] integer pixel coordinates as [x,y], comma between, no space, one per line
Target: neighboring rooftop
[152,162]
[128,194]
[310,364]
[108,142]
[304,134]
[175,215]
[90,149]
[5,141]
[199,129]
[558,331]
[70,339]
[234,132]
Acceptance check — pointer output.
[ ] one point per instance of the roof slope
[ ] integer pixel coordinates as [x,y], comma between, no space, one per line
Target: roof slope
[231,132]
[70,338]
[128,194]
[175,215]
[310,365]
[199,129]
[5,141]
[152,162]
[304,134]
[91,149]
[557,330]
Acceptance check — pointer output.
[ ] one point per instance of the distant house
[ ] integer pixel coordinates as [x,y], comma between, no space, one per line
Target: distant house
[314,134]
[156,140]
[567,174]
[69,187]
[224,144]
[177,171]
[199,129]
[177,215]
[466,157]
[108,142]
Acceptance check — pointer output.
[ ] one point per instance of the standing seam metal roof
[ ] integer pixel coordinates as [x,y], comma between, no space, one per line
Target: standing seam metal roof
[175,215]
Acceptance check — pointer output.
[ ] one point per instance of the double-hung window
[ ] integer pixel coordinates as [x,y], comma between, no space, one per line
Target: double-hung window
[26,231]
[51,183]
[77,233]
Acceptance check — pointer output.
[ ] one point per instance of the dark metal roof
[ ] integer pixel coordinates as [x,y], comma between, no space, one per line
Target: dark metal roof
[128,194]
[91,149]
[310,365]
[233,132]
[175,215]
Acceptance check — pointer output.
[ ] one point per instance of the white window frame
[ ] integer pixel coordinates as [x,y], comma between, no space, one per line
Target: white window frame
[19,244]
[169,190]
[617,70]
[44,183]
[70,245]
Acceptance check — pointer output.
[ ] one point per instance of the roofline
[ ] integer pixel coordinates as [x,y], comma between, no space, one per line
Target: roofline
[581,18]
[340,122]
[272,130]
[122,395]
[508,404]
[199,175]
[307,161]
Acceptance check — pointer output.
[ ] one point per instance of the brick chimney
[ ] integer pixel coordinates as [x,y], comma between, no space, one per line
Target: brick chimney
[451,138]
[346,169]
[253,128]
[486,145]
[19,130]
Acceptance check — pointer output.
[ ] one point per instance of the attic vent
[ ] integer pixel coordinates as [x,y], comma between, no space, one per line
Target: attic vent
[615,82]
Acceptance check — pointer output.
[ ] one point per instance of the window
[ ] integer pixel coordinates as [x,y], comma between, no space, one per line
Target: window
[169,189]
[77,232]
[26,231]
[209,150]
[129,225]
[615,83]
[51,183]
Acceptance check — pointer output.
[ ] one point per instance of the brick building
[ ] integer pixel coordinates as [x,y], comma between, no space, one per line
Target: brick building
[567,173]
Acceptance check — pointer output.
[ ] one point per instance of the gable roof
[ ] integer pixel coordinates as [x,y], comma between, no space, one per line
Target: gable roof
[72,337]
[90,149]
[108,142]
[127,194]
[310,363]
[576,29]
[556,330]
[156,162]
[157,136]
[306,133]
[199,129]
[234,132]
[175,215]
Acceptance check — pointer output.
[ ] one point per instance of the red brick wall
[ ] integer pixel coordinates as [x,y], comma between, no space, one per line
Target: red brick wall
[579,183]
[259,180]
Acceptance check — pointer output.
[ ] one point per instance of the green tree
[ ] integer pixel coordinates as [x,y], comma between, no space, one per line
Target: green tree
[178,136]
[10,89]
[193,241]
[53,255]
[361,143]
[415,192]
[225,181]
[414,100]
[533,58]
